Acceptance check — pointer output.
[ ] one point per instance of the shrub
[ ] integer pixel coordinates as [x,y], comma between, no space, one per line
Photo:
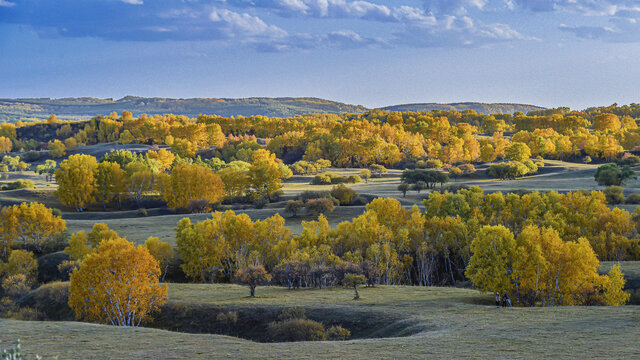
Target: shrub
[611,174]
[633,199]
[56,212]
[321,180]
[197,206]
[30,156]
[56,243]
[614,195]
[296,312]
[15,353]
[19,184]
[434,164]
[338,333]
[293,207]
[319,206]
[467,169]
[142,212]
[296,330]
[260,203]
[354,179]
[48,267]
[360,200]
[586,160]
[66,267]
[344,194]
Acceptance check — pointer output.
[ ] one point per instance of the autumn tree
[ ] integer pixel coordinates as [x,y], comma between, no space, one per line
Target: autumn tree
[76,181]
[110,182]
[606,122]
[117,284]
[48,169]
[162,252]
[518,151]
[57,149]
[30,223]
[365,174]
[266,174]
[491,265]
[252,276]
[5,145]
[191,183]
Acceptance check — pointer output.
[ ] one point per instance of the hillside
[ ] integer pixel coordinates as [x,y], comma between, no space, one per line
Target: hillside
[84,108]
[485,108]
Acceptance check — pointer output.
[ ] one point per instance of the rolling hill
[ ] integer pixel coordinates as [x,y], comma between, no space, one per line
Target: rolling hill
[12,110]
[484,108]
[84,108]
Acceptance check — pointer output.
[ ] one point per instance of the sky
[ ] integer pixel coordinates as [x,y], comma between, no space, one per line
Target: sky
[550,53]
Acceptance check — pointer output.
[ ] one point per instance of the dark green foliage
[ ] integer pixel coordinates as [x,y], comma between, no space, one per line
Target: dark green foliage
[612,174]
[48,267]
[512,169]
[293,207]
[633,199]
[338,333]
[429,177]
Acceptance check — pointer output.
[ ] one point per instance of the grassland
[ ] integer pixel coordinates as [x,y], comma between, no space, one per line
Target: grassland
[449,323]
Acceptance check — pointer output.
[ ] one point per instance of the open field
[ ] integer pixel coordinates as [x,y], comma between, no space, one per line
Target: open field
[451,323]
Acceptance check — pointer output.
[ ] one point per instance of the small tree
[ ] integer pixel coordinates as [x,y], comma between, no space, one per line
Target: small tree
[319,206]
[377,170]
[353,280]
[614,195]
[404,187]
[365,174]
[419,186]
[293,207]
[455,172]
[252,276]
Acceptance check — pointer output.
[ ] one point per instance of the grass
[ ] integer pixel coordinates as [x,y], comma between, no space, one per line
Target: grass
[454,323]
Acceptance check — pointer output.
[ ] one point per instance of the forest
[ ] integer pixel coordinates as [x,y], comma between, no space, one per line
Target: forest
[540,207]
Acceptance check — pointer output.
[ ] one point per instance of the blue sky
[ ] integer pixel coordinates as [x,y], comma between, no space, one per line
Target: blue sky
[576,53]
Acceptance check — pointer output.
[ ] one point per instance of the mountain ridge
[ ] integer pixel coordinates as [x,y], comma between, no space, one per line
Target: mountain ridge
[80,108]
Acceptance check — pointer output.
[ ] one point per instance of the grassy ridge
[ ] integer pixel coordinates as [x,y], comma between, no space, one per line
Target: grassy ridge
[484,108]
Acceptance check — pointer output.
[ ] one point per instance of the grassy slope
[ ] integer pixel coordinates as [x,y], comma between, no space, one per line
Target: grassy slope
[454,324]
[485,108]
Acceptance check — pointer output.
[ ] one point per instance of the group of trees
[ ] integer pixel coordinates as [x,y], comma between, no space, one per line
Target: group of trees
[538,267]
[122,175]
[393,139]
[389,244]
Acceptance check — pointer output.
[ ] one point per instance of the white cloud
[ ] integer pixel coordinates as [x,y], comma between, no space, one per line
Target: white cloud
[244,24]
[6,3]
[133,2]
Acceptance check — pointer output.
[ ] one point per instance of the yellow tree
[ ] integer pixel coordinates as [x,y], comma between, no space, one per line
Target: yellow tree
[265,174]
[165,158]
[202,248]
[76,181]
[110,182]
[162,252]
[236,181]
[57,149]
[30,223]
[189,183]
[184,148]
[78,249]
[614,295]
[606,122]
[117,284]
[99,233]
[21,262]
[5,145]
[491,264]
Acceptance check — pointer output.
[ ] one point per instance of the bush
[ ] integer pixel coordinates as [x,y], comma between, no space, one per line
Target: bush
[360,200]
[434,164]
[319,206]
[296,330]
[344,194]
[633,199]
[56,243]
[511,169]
[293,207]
[354,179]
[321,180]
[142,212]
[19,184]
[338,333]
[56,212]
[296,312]
[48,267]
[30,156]
[197,206]
[614,195]
[51,301]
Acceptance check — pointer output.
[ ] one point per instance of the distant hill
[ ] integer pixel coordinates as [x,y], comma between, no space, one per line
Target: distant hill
[477,107]
[12,110]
